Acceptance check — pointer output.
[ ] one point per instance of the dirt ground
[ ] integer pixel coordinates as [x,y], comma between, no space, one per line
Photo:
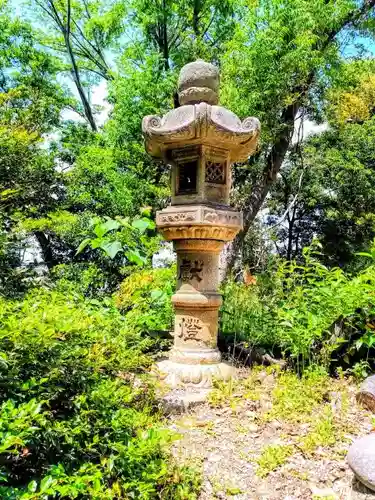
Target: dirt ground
[225,440]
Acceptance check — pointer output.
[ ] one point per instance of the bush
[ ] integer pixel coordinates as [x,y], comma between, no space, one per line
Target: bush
[307,313]
[75,422]
[145,298]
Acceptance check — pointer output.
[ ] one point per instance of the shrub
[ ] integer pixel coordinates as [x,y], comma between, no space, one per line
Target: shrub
[145,298]
[75,422]
[308,313]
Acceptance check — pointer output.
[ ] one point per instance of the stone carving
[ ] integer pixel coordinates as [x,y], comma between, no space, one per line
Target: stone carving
[189,328]
[211,216]
[178,217]
[190,374]
[199,119]
[190,270]
[198,82]
[203,123]
[198,215]
[203,246]
[217,154]
[229,218]
[189,152]
[199,140]
[209,232]
[215,172]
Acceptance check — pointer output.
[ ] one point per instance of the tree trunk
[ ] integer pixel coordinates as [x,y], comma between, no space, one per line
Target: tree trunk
[46,249]
[75,72]
[77,80]
[196,13]
[291,221]
[274,161]
[65,27]
[165,48]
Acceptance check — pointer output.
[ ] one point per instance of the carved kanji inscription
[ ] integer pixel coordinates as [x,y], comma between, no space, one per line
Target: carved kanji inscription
[191,269]
[189,328]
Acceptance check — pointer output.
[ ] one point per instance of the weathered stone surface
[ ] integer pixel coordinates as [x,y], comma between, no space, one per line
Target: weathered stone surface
[361,459]
[198,222]
[201,124]
[199,140]
[177,375]
[199,120]
[180,401]
[366,394]
[198,214]
[198,82]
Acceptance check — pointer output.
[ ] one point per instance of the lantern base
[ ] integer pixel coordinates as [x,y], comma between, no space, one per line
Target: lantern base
[179,375]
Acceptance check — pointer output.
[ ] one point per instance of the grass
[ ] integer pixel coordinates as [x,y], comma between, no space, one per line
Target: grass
[222,393]
[307,400]
[296,399]
[272,457]
[233,392]
[218,486]
[324,433]
[315,399]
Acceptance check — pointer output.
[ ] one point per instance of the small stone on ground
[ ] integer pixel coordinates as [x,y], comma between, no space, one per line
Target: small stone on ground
[361,458]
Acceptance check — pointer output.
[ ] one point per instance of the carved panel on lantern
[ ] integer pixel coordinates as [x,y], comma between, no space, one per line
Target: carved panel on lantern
[190,270]
[215,172]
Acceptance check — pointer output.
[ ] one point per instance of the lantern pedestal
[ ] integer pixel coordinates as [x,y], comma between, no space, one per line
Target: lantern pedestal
[200,375]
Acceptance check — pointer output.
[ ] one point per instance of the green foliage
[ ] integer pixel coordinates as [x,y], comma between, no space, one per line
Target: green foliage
[111,243]
[273,53]
[221,393]
[75,422]
[145,297]
[308,311]
[295,399]
[318,402]
[104,182]
[324,433]
[326,187]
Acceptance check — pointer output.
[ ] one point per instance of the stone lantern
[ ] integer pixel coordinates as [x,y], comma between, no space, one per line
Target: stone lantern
[199,140]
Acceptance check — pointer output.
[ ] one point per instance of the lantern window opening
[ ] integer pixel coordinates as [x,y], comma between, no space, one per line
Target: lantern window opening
[187,173]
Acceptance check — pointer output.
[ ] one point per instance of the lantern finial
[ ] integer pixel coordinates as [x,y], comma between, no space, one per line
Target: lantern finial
[198,82]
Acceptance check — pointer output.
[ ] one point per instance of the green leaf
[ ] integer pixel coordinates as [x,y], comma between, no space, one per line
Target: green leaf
[83,245]
[143,224]
[136,257]
[32,486]
[125,222]
[111,248]
[364,254]
[157,295]
[102,229]
[98,242]
[46,483]
[8,192]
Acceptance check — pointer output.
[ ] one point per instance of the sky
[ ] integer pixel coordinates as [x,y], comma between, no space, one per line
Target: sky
[98,97]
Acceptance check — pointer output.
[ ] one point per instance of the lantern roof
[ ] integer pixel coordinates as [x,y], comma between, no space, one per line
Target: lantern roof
[200,120]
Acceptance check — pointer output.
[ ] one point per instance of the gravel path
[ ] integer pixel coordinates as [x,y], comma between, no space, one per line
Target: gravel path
[227,440]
